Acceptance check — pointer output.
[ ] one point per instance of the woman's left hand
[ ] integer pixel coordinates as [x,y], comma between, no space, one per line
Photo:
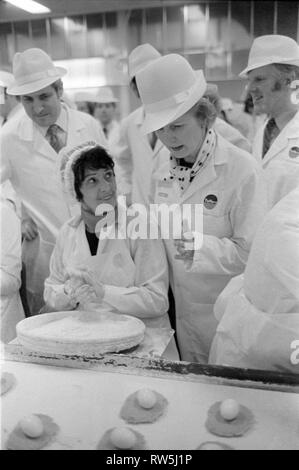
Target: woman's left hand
[97,286]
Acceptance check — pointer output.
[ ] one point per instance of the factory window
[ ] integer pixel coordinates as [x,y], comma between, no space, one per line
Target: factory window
[6,43]
[39,34]
[22,36]
[95,35]
[153,31]
[287,18]
[175,29]
[76,37]
[134,36]
[196,25]
[58,43]
[263,18]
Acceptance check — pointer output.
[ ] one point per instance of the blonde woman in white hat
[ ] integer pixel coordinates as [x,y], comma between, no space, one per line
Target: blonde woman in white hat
[138,156]
[29,148]
[105,112]
[123,273]
[204,169]
[273,66]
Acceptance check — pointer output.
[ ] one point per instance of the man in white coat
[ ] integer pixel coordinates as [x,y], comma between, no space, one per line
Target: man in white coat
[273,68]
[258,312]
[137,155]
[29,147]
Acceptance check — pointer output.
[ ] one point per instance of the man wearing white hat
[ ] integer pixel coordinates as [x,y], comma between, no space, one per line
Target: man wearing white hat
[29,147]
[138,156]
[205,171]
[273,67]
[104,112]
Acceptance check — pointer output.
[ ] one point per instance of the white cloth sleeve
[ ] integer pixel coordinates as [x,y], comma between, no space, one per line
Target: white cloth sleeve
[10,251]
[149,296]
[54,294]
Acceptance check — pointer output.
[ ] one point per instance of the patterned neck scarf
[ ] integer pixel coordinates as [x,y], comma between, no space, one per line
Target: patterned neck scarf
[184,174]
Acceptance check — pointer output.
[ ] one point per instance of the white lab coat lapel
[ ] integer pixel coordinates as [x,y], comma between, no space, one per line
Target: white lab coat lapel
[290,131]
[204,177]
[33,137]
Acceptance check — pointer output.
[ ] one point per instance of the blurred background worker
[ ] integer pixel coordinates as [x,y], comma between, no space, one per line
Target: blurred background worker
[85,102]
[139,157]
[105,112]
[222,126]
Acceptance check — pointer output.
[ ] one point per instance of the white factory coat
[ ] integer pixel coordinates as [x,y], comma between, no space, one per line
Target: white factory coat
[31,164]
[10,272]
[232,176]
[134,272]
[281,163]
[259,312]
[138,164]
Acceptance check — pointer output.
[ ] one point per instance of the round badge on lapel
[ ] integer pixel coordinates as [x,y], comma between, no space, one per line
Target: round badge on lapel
[210,201]
[294,152]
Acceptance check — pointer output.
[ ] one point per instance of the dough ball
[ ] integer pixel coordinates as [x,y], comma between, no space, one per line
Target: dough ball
[219,426]
[134,410]
[121,436]
[18,440]
[146,398]
[32,426]
[229,409]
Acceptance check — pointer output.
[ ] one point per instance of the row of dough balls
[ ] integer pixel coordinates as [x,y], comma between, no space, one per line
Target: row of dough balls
[225,419]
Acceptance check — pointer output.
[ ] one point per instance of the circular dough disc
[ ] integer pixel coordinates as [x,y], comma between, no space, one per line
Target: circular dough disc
[237,427]
[106,444]
[133,413]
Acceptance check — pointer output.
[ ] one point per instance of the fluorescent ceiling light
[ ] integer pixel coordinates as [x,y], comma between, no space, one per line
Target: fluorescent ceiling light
[29,5]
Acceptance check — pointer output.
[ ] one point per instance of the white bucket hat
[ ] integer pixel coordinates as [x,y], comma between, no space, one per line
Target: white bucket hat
[140,57]
[105,95]
[272,49]
[6,78]
[168,88]
[33,70]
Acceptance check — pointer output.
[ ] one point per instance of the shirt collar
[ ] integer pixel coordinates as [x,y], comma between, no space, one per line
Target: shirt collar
[283,119]
[61,121]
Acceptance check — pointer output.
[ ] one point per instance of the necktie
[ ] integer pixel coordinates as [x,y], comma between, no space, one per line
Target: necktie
[105,132]
[271,131]
[152,138]
[53,137]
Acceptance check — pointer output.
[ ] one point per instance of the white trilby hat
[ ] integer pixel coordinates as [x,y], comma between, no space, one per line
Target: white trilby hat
[168,88]
[272,49]
[6,78]
[33,70]
[105,95]
[140,57]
